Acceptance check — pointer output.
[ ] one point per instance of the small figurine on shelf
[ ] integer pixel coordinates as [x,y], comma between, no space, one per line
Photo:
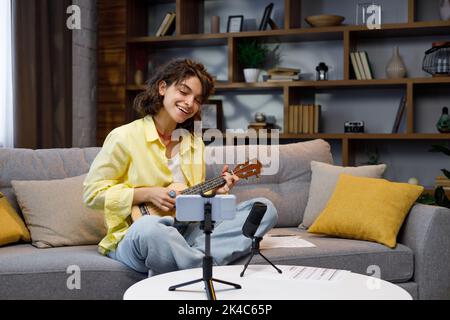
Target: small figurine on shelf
[260,117]
[322,72]
[443,124]
[263,121]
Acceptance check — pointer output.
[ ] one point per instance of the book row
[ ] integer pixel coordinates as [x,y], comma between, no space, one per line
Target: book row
[167,26]
[361,65]
[304,118]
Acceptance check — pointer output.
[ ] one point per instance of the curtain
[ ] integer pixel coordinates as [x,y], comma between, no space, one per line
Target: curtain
[6,89]
[42,68]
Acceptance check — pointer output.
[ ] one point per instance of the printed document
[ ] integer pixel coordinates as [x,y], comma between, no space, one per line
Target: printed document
[284,241]
[299,273]
[313,273]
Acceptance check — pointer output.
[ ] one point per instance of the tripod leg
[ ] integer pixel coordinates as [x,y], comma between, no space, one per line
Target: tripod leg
[246,265]
[209,287]
[237,286]
[279,271]
[172,288]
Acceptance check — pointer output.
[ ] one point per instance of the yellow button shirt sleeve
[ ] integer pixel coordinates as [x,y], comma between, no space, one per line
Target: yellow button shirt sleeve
[103,189]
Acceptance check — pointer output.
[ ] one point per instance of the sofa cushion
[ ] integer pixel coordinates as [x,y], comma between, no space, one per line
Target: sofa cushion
[12,228]
[285,180]
[323,181]
[395,265]
[367,209]
[44,164]
[55,214]
[30,273]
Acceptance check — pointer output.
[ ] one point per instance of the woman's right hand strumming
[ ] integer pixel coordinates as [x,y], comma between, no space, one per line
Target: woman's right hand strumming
[158,196]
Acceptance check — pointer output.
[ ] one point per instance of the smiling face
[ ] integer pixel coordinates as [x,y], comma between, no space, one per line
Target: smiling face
[181,101]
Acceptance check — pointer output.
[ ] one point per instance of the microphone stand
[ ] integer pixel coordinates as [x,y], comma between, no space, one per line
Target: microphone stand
[256,250]
[207,226]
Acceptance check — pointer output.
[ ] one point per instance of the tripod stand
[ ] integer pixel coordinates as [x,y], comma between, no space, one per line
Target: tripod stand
[207,226]
[256,250]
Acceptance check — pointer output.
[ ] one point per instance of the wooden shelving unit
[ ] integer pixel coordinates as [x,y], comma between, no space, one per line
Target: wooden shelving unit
[331,84]
[123,32]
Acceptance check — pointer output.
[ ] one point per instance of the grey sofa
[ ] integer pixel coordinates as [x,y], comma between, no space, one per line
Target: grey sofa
[420,263]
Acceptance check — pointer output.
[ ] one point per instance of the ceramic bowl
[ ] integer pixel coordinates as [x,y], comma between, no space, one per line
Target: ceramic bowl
[324,20]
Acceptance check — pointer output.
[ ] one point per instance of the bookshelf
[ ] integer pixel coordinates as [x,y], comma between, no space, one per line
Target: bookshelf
[123,31]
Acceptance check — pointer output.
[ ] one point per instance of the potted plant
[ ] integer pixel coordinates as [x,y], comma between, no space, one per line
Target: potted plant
[439,198]
[251,56]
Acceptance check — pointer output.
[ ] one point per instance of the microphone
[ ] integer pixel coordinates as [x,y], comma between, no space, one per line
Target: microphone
[249,229]
[254,219]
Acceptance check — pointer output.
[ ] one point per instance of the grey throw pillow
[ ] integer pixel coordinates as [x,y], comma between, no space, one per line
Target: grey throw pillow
[286,184]
[55,215]
[323,181]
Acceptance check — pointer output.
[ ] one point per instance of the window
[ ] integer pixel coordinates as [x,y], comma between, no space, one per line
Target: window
[6,86]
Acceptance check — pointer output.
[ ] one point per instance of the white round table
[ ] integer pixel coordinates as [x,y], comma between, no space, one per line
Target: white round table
[263,282]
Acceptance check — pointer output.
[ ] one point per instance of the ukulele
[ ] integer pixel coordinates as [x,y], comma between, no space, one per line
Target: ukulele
[243,171]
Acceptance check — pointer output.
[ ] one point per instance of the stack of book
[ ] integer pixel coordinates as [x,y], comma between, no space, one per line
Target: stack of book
[442,181]
[361,65]
[167,26]
[304,118]
[283,74]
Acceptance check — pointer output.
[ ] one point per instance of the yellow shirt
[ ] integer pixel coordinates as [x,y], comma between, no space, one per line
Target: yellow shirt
[133,156]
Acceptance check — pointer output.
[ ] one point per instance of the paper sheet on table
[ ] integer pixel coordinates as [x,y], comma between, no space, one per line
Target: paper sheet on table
[301,273]
[269,242]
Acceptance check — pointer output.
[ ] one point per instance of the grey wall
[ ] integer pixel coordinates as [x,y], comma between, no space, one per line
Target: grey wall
[376,107]
[251,10]
[84,67]
[412,52]
[407,159]
[392,11]
[427,10]
[240,107]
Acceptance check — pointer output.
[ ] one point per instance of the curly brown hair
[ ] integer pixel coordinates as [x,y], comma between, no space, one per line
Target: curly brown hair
[150,101]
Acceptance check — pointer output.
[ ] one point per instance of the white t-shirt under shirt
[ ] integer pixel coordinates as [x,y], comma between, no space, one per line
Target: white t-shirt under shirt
[175,168]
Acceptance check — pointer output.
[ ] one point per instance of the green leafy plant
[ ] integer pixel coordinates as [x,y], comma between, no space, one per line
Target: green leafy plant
[252,54]
[373,156]
[439,198]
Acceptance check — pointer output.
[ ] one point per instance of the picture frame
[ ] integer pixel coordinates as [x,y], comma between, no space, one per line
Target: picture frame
[235,23]
[212,115]
[266,17]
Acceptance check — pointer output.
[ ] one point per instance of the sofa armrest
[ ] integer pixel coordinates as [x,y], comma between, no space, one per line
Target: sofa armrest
[426,232]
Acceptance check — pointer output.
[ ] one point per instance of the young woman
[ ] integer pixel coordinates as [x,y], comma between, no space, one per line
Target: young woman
[140,159]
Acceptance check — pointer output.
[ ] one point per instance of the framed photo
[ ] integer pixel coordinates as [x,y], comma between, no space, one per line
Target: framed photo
[266,17]
[235,23]
[212,115]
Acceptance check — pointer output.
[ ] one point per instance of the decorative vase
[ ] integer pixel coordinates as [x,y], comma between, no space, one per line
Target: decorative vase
[251,75]
[444,7]
[443,124]
[138,77]
[396,69]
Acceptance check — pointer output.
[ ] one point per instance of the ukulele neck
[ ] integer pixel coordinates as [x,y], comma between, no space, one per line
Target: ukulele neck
[205,186]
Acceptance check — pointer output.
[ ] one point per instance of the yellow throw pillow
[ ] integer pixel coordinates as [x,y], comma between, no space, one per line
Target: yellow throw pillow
[12,228]
[367,209]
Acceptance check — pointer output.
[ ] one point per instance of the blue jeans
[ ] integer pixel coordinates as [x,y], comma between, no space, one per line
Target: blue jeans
[160,245]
